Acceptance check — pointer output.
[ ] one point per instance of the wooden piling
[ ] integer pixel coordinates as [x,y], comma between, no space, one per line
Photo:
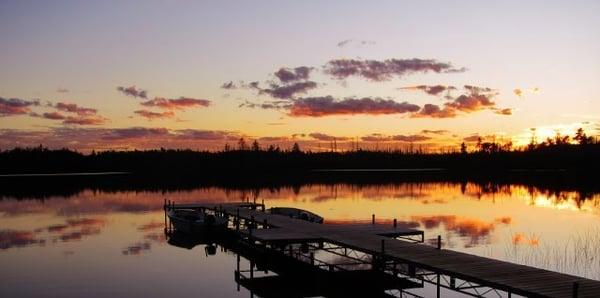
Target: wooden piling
[439,242]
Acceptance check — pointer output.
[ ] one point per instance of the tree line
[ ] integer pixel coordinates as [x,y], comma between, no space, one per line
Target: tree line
[579,153]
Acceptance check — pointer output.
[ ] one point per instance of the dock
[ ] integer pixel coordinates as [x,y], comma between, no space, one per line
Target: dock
[395,249]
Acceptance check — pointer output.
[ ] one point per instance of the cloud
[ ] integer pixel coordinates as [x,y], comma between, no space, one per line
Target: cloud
[434,111]
[343,43]
[289,90]
[327,105]
[347,42]
[507,111]
[376,137]
[62,90]
[54,116]
[521,92]
[72,120]
[229,85]
[472,138]
[288,75]
[136,132]
[471,102]
[431,90]
[273,139]
[73,108]
[133,91]
[385,70]
[327,138]
[178,103]
[410,138]
[154,115]
[475,99]
[207,135]
[518,92]
[16,106]
[436,132]
[268,105]
[84,120]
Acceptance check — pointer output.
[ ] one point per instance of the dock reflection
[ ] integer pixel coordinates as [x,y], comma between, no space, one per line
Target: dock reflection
[268,273]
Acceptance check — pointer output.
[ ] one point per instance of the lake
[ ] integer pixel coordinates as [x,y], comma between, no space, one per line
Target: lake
[99,242]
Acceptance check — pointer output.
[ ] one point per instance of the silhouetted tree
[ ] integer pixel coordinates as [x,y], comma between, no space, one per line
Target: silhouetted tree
[581,137]
[463,148]
[296,148]
[255,146]
[242,144]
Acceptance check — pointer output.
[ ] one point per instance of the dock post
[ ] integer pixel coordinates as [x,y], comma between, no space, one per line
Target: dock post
[395,223]
[312,258]
[262,202]
[439,242]
[372,219]
[382,246]
[237,220]
[165,211]
[252,222]
[575,289]
[438,286]
[265,223]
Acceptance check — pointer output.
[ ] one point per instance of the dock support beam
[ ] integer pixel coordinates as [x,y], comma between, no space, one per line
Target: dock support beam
[395,223]
[372,219]
[439,242]
[575,289]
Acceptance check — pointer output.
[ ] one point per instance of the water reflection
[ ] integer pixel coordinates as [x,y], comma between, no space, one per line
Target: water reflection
[62,235]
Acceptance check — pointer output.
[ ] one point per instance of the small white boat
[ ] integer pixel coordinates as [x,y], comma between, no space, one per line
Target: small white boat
[193,221]
[297,214]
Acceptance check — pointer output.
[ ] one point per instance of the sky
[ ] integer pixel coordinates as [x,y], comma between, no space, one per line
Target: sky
[98,75]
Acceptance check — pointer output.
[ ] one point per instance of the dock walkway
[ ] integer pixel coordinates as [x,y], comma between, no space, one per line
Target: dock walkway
[375,240]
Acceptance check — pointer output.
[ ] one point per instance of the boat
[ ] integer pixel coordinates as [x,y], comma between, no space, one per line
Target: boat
[297,214]
[193,221]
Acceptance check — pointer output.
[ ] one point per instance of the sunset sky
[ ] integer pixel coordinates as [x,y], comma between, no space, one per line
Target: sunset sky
[387,74]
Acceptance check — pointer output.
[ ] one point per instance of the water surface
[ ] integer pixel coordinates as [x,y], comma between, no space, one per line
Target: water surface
[100,243]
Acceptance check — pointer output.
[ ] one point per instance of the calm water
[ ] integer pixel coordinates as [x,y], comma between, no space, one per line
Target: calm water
[98,244]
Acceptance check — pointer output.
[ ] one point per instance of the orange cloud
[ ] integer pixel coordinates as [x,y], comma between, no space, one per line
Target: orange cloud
[154,115]
[327,105]
[177,103]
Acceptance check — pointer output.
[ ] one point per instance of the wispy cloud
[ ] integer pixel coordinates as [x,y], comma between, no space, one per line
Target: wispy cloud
[431,90]
[154,115]
[351,41]
[385,70]
[325,137]
[377,137]
[133,91]
[436,132]
[176,103]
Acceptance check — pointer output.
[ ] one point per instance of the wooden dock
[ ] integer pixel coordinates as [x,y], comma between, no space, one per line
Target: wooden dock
[465,273]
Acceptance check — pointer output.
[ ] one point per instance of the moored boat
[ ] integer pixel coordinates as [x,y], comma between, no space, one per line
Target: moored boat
[193,221]
[297,214]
